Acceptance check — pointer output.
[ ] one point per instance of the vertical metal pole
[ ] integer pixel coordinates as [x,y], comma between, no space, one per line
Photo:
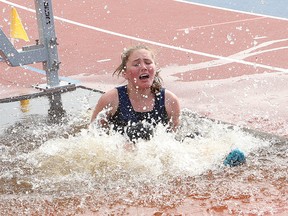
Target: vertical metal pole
[47,37]
[56,113]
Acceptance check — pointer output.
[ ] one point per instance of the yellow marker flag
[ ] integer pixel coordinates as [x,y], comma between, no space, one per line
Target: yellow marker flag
[16,29]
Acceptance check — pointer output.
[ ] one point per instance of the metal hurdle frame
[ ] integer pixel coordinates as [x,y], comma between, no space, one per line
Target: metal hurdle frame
[45,49]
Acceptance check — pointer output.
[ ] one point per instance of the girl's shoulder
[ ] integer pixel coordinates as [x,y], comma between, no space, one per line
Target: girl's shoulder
[170,95]
[111,93]
[110,97]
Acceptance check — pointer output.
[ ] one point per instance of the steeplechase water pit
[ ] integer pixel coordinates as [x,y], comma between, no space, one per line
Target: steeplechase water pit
[53,162]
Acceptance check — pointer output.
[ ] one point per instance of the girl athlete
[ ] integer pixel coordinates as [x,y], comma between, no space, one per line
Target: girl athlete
[143,99]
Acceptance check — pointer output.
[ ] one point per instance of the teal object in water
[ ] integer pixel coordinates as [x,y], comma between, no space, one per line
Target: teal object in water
[235,158]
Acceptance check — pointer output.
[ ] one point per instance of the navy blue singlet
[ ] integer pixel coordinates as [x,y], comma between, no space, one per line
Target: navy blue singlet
[126,115]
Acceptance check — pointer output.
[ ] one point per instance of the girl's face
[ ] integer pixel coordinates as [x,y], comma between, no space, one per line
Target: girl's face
[140,69]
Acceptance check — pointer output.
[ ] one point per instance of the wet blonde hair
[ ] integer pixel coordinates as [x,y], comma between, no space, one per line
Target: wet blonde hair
[157,82]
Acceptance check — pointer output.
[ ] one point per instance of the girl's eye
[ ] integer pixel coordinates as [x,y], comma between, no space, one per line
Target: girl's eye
[139,64]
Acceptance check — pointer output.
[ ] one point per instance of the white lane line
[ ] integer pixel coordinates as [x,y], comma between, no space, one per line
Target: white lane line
[103,60]
[220,24]
[156,43]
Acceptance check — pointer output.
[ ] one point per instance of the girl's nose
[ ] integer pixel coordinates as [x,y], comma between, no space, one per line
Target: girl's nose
[143,66]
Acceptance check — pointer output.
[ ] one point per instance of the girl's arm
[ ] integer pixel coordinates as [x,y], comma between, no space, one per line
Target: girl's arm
[106,105]
[172,105]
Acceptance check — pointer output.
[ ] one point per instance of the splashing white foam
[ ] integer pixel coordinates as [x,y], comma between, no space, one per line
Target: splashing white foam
[95,152]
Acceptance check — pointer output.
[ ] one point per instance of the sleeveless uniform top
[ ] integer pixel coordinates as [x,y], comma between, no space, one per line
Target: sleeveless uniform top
[125,114]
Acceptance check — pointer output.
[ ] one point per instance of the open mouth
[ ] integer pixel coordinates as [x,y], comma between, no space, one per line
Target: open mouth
[144,76]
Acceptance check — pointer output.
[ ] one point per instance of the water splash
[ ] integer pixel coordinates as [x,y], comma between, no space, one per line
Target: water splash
[72,168]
